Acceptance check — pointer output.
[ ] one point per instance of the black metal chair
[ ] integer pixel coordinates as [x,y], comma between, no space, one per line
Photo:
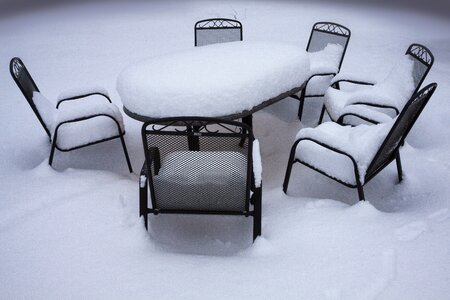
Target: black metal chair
[212,31]
[422,59]
[322,34]
[61,124]
[198,167]
[320,141]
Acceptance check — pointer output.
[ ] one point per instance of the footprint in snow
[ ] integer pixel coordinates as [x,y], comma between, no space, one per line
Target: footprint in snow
[411,231]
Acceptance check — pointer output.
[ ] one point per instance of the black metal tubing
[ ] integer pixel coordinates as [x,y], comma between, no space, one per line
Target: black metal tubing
[120,135]
[199,123]
[218,24]
[292,160]
[83,96]
[365,118]
[17,69]
[360,82]
[329,28]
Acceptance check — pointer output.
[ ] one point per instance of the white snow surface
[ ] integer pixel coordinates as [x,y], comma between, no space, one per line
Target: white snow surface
[196,82]
[395,90]
[73,231]
[74,92]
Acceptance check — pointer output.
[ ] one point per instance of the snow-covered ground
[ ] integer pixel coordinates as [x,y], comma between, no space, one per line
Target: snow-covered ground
[74,231]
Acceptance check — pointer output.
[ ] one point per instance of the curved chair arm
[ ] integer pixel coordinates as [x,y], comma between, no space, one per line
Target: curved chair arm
[87,117]
[374,117]
[335,83]
[306,84]
[355,165]
[74,95]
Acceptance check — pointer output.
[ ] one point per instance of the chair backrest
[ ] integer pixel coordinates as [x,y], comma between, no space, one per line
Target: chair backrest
[324,33]
[199,164]
[400,129]
[423,61]
[212,31]
[27,85]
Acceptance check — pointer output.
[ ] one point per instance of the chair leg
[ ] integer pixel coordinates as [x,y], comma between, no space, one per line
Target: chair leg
[322,113]
[126,152]
[360,192]
[143,204]
[257,208]
[52,152]
[301,103]
[248,120]
[399,166]
[287,176]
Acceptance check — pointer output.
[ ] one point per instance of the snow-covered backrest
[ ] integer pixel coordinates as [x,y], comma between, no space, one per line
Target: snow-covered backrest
[324,33]
[45,108]
[400,129]
[198,164]
[212,31]
[423,61]
[327,59]
[28,87]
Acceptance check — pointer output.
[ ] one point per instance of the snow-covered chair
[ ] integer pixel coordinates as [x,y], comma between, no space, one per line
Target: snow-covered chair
[326,46]
[71,128]
[198,167]
[212,31]
[379,102]
[354,155]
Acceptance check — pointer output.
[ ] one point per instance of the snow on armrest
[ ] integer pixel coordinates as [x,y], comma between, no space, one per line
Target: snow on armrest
[88,110]
[82,92]
[358,78]
[366,112]
[257,165]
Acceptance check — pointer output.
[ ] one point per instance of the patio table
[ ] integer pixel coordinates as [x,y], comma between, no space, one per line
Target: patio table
[228,80]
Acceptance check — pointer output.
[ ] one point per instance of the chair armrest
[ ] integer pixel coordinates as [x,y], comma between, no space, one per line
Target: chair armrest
[331,148]
[79,94]
[349,78]
[257,165]
[365,113]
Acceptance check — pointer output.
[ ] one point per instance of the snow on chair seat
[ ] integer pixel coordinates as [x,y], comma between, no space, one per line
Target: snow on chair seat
[71,128]
[354,155]
[386,97]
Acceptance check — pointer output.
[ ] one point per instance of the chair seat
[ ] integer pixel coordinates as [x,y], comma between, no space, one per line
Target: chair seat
[361,142]
[202,180]
[74,134]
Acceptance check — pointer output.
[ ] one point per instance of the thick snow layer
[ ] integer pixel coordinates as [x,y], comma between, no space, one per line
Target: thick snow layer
[395,90]
[361,142]
[82,132]
[74,231]
[257,164]
[326,60]
[215,80]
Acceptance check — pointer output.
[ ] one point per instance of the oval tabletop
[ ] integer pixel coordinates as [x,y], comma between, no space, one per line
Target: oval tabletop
[212,81]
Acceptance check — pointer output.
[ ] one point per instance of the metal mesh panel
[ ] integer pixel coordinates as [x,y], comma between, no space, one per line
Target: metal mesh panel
[213,178]
[419,72]
[400,129]
[320,39]
[217,35]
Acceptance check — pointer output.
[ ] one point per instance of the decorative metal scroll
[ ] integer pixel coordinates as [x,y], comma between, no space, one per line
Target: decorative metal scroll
[186,125]
[17,68]
[422,53]
[218,23]
[332,28]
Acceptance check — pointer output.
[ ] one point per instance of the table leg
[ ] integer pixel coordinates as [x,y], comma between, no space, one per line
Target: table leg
[249,121]
[193,141]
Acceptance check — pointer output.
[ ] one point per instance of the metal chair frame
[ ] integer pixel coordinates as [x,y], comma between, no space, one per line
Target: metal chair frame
[27,86]
[328,28]
[193,128]
[380,160]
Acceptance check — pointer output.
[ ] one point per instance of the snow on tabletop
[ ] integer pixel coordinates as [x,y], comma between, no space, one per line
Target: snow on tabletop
[214,80]
[361,142]
[82,91]
[257,164]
